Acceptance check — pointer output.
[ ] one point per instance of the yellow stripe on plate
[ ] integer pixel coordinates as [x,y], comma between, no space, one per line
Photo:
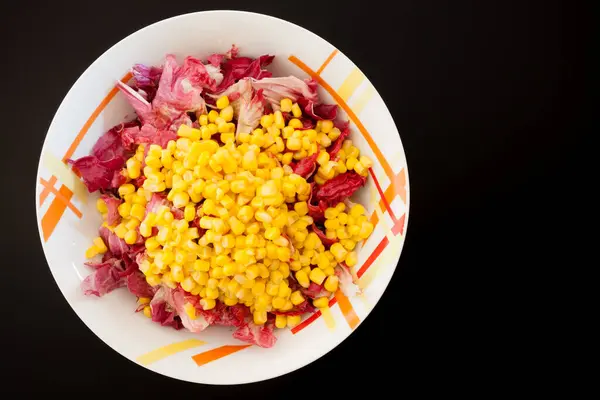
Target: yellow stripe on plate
[165,351]
[363,99]
[350,84]
[328,318]
[67,177]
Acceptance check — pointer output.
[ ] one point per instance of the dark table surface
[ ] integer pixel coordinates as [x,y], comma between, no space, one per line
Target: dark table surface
[488,96]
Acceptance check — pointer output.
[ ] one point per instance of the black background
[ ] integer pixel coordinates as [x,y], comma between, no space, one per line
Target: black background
[490,100]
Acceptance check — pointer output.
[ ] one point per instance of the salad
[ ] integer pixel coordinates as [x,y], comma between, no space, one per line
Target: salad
[226,200]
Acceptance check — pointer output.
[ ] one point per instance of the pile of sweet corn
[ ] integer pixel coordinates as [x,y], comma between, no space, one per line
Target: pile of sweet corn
[239,194]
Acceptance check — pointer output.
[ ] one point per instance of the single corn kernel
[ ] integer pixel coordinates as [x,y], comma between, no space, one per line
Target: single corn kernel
[366,229]
[351,259]
[208,303]
[297,298]
[338,251]
[214,114]
[222,102]
[302,278]
[321,302]
[296,111]
[126,189]
[280,321]
[137,211]
[278,302]
[259,317]
[148,312]
[100,246]
[317,276]
[295,123]
[360,168]
[130,237]
[293,320]
[272,233]
[331,284]
[91,252]
[326,126]
[101,206]
[286,105]
[267,120]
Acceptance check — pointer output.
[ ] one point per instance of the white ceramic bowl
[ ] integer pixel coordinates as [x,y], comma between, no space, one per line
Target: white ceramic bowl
[68,220]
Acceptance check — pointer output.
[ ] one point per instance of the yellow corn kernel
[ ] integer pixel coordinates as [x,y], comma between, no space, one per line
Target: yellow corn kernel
[120,230]
[124,209]
[321,302]
[148,312]
[91,252]
[208,303]
[331,213]
[280,321]
[136,211]
[126,189]
[213,115]
[293,320]
[302,278]
[348,244]
[272,233]
[296,298]
[296,111]
[101,206]
[100,246]
[295,123]
[360,169]
[366,229]
[326,126]
[259,317]
[334,134]
[351,259]
[331,283]
[338,251]
[212,293]
[130,237]
[222,102]
[317,276]
[278,302]
[286,105]
[267,120]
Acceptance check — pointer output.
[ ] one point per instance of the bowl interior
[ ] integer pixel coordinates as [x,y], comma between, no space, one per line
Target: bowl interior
[68,220]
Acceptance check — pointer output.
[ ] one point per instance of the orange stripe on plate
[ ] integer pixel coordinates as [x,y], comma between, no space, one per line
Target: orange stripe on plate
[347,309]
[62,198]
[311,319]
[385,202]
[380,247]
[327,61]
[46,191]
[55,212]
[219,352]
[397,187]
[384,164]
[92,118]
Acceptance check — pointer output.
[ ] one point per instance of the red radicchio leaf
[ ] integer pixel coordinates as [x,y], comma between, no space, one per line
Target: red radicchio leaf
[104,280]
[306,167]
[244,67]
[148,134]
[318,111]
[109,262]
[339,188]
[314,291]
[117,246]
[324,239]
[337,145]
[112,203]
[97,174]
[138,182]
[316,208]
[261,336]
[136,283]
[109,146]
[165,316]
[146,80]
[118,179]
